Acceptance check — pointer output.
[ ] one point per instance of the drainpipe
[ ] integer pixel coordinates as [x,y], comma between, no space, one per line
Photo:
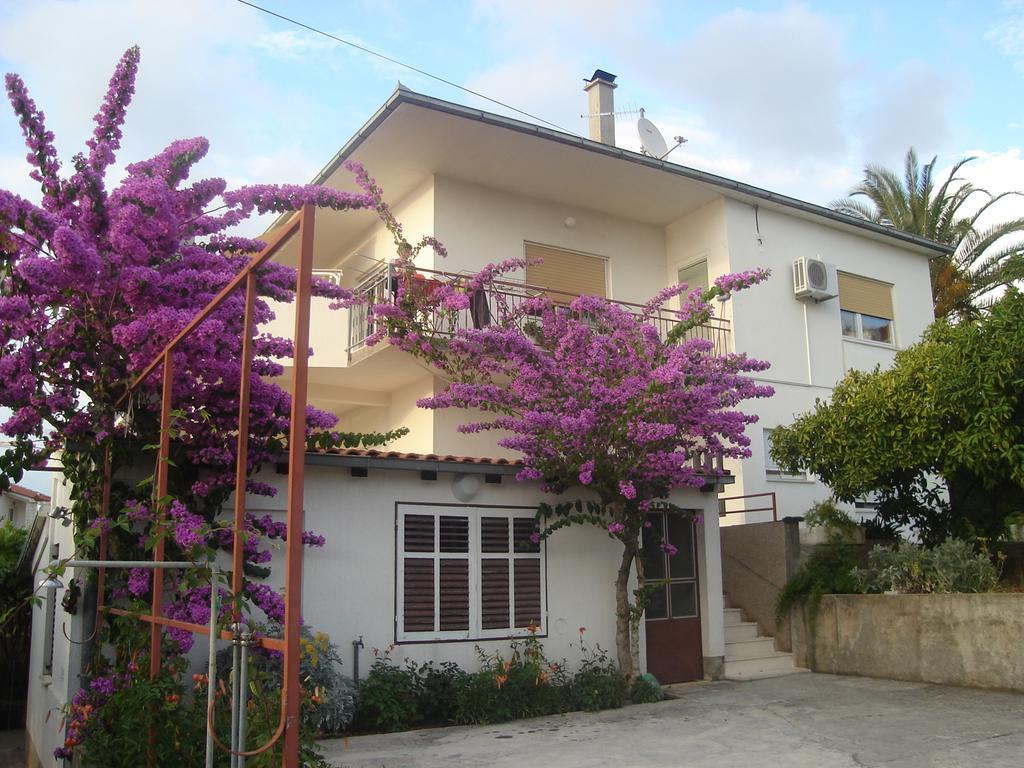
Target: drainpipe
[356,645]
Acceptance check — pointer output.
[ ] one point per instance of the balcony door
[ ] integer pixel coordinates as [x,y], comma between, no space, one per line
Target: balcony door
[672,617]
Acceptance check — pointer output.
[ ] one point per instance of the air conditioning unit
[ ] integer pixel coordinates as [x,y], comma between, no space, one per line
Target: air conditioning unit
[814,279]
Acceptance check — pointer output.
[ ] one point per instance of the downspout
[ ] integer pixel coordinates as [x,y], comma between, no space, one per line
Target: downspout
[356,645]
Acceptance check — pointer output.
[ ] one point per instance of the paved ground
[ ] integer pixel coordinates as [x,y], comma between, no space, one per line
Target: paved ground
[12,749]
[797,721]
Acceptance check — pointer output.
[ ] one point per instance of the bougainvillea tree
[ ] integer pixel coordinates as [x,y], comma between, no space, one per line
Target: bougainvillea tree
[591,396]
[94,280]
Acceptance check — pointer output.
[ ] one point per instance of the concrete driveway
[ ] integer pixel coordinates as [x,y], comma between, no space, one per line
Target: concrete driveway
[797,721]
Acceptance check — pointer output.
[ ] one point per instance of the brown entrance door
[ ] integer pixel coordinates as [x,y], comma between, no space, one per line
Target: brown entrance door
[672,617]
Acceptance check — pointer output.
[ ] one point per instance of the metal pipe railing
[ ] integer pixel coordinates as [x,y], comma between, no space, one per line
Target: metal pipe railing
[772,507]
[379,288]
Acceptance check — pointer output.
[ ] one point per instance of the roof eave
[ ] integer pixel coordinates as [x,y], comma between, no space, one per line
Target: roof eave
[402,95]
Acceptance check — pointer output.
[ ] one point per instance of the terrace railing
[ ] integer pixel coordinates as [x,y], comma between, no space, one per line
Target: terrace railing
[505,296]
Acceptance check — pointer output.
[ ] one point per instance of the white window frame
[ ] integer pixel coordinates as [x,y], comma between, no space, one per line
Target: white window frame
[771,469]
[859,329]
[474,556]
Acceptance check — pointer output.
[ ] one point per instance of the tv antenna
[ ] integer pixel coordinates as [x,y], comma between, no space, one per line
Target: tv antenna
[652,143]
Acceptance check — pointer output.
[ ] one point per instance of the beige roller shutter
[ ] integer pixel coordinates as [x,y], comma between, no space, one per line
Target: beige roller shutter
[566,273]
[866,296]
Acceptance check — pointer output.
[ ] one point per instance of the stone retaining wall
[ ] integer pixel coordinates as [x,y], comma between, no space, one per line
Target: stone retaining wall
[959,639]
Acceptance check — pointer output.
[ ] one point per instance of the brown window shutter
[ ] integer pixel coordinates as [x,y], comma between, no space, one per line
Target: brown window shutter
[566,273]
[494,534]
[454,594]
[419,533]
[527,575]
[866,296]
[494,607]
[418,595]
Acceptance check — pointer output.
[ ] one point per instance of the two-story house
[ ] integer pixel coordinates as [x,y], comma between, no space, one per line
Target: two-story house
[615,223]
[428,544]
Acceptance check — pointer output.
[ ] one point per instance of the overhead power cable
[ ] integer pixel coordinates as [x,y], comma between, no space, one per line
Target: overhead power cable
[423,72]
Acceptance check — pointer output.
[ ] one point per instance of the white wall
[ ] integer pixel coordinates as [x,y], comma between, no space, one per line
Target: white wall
[349,585]
[49,693]
[803,340]
[480,225]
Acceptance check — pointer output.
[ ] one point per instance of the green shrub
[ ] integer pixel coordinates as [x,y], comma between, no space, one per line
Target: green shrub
[825,514]
[646,690]
[387,697]
[827,571]
[437,688]
[524,685]
[332,703]
[879,529]
[597,684]
[952,566]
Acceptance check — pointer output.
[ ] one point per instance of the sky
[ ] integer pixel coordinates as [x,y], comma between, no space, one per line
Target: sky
[793,97]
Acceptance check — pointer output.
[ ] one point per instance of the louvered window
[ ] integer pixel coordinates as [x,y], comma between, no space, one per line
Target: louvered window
[467,573]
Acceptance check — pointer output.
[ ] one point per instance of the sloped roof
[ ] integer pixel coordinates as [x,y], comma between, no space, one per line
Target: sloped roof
[702,179]
[28,493]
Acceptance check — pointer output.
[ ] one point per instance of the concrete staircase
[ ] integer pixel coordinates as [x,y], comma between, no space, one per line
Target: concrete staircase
[749,656]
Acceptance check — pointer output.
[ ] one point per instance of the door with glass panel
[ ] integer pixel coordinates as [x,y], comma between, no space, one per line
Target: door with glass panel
[672,617]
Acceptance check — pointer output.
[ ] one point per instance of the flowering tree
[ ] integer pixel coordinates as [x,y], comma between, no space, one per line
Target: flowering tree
[94,281]
[592,397]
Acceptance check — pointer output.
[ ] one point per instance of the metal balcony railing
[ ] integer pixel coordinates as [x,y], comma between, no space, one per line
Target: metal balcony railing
[504,296]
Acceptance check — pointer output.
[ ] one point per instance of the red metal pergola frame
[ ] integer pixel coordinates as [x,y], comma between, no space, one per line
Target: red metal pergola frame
[288,724]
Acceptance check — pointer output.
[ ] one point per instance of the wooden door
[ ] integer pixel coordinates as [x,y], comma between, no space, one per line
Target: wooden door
[672,617]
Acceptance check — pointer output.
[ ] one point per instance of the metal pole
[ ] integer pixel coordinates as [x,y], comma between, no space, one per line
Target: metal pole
[211,661]
[243,700]
[242,451]
[296,481]
[163,468]
[236,652]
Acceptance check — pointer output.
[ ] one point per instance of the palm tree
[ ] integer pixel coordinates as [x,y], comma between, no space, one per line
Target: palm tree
[980,262]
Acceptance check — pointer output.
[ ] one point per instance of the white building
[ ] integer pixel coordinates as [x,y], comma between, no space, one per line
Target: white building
[607,221]
[613,222]
[20,506]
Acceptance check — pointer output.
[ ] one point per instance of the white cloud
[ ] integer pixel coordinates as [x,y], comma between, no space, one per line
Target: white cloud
[1007,35]
[910,107]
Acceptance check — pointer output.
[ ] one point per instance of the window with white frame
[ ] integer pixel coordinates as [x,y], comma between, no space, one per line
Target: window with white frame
[694,275]
[771,468]
[866,308]
[467,573]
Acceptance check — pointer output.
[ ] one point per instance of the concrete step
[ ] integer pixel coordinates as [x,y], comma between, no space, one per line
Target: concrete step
[746,630]
[742,676]
[733,616]
[776,663]
[758,648]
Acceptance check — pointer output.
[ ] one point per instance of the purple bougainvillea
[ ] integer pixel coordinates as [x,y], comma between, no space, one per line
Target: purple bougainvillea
[592,396]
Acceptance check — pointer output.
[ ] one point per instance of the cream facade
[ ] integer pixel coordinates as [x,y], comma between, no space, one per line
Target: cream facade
[489,188]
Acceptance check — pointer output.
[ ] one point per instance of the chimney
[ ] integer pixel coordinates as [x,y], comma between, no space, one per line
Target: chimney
[601,106]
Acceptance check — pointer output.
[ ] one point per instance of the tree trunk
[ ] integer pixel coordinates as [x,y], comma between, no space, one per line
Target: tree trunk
[625,644]
[636,616]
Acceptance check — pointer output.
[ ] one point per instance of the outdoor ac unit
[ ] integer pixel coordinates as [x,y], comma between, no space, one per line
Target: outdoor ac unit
[814,279]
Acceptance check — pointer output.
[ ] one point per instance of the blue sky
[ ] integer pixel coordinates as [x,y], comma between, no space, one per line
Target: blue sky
[795,97]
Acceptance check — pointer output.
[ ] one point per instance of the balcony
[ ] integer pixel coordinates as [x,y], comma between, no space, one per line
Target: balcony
[505,295]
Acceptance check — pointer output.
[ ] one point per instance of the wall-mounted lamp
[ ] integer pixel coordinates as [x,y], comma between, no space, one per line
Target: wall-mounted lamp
[465,487]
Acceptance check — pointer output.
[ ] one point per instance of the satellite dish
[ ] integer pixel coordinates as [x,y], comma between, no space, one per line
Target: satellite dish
[651,140]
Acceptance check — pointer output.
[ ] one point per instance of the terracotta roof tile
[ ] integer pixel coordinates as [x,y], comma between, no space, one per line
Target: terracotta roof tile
[28,493]
[375,454]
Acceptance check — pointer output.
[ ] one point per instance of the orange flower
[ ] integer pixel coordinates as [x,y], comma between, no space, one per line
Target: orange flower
[500,680]
[532,628]
[173,698]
